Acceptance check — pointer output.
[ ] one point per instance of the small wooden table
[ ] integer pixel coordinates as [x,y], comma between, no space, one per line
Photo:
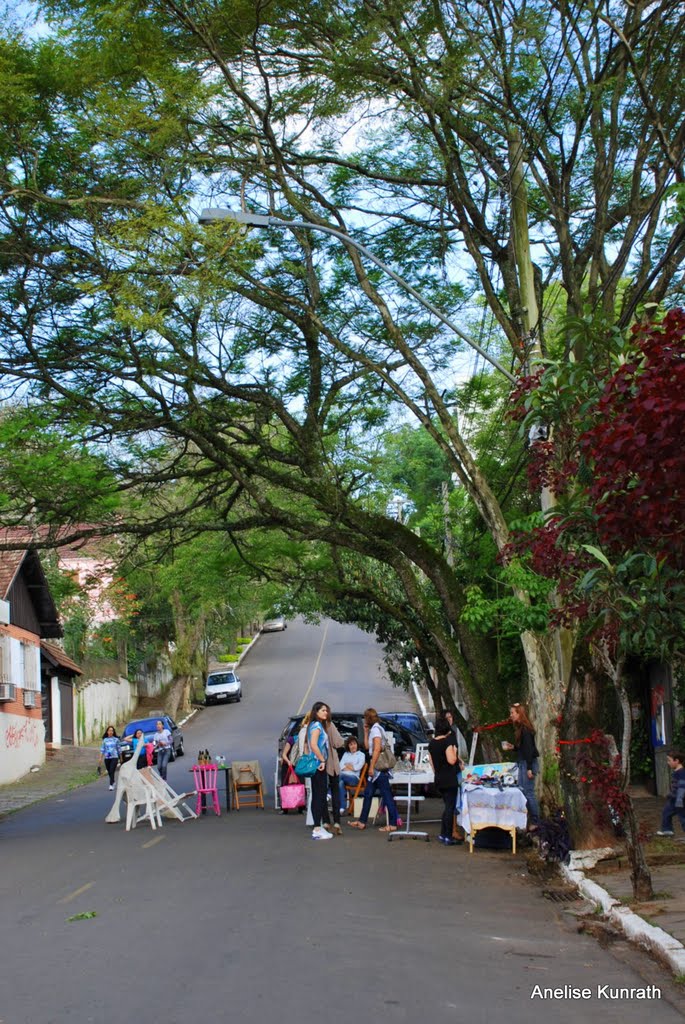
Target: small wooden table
[492,807]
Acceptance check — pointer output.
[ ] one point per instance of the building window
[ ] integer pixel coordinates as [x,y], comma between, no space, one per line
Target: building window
[5,676]
[30,667]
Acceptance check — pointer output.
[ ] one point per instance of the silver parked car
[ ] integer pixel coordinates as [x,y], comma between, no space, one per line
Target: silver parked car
[274,625]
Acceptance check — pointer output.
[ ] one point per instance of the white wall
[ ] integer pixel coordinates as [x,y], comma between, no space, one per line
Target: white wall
[102,702]
[154,676]
[22,744]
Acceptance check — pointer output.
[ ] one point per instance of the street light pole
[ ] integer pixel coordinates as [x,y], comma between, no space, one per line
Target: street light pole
[258,220]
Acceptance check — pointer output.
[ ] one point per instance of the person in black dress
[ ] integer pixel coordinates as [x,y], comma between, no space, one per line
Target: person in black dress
[446,763]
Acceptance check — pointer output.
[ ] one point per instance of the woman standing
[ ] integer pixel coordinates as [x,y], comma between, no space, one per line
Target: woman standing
[111,752]
[378,781]
[139,749]
[317,741]
[445,762]
[527,759]
[163,742]
[335,742]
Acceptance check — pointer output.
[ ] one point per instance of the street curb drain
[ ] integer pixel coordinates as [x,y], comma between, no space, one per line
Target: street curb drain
[561,895]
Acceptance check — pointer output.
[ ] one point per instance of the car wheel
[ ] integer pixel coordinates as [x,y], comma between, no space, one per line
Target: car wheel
[172,755]
[180,752]
[208,702]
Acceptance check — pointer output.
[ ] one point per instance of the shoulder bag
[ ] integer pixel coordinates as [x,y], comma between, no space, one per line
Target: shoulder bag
[386,760]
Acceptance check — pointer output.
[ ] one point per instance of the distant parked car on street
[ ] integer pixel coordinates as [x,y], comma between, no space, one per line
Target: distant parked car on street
[149,727]
[223,685]
[274,625]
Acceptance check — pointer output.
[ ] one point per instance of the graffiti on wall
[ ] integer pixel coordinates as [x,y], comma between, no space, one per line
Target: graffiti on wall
[29,733]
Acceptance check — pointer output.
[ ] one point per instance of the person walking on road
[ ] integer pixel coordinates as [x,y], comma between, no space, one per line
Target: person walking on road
[317,741]
[527,760]
[378,780]
[163,744]
[110,752]
[444,758]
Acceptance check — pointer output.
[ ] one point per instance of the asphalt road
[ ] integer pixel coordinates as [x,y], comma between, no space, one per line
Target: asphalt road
[243,918]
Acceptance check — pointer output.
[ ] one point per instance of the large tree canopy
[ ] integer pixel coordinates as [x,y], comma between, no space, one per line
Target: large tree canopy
[512,161]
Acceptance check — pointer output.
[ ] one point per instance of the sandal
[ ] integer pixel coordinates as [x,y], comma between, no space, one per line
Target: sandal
[388,828]
[356,824]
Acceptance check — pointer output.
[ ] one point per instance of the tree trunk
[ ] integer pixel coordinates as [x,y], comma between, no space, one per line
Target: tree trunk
[640,875]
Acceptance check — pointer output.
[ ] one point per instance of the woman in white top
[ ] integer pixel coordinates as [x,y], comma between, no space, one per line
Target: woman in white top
[351,764]
[378,781]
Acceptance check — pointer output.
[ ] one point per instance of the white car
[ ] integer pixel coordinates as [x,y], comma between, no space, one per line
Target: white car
[222,685]
[274,625]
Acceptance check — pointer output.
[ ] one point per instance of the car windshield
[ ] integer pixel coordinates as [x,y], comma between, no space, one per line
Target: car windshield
[146,724]
[221,680]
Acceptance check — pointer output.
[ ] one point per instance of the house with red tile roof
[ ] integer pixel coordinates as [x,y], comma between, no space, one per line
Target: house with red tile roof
[29,678]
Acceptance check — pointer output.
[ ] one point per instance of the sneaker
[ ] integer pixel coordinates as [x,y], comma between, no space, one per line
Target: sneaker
[448,841]
[111,787]
[321,833]
[337,830]
[327,826]
[442,839]
[665,832]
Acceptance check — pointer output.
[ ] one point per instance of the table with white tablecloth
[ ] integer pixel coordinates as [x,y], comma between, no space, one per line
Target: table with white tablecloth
[486,807]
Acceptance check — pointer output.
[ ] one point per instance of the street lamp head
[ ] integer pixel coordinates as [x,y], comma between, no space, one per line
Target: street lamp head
[215,213]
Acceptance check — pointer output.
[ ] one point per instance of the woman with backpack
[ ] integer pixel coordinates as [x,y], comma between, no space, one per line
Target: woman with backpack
[378,777]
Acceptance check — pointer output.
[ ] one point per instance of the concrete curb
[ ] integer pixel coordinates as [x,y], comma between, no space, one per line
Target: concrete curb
[634,927]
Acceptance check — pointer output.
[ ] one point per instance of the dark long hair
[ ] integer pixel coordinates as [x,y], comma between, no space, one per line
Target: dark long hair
[104,735]
[442,725]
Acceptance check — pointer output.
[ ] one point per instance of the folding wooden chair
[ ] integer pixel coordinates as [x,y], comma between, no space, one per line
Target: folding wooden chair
[354,791]
[246,778]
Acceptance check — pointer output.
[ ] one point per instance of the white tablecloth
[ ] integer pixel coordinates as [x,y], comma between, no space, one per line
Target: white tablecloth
[505,808]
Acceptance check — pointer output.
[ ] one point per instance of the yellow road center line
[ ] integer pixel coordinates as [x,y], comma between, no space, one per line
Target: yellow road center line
[77,892]
[313,674]
[316,669]
[153,842]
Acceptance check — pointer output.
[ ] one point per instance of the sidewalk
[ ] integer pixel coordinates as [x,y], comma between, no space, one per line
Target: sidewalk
[65,768]
[658,925]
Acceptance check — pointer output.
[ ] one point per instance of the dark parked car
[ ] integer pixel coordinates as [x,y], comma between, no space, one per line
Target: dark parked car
[352,724]
[416,724]
[149,727]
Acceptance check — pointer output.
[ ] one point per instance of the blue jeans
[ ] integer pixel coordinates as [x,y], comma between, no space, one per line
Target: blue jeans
[163,755]
[346,779]
[379,786]
[527,787]
[667,814]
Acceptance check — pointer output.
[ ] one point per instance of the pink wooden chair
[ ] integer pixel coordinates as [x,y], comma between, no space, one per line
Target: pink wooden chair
[205,782]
